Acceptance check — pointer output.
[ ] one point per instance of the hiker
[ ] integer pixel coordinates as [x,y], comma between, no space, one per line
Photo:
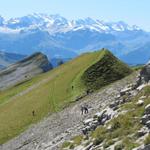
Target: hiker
[33,113]
[84,109]
[72,87]
[88,92]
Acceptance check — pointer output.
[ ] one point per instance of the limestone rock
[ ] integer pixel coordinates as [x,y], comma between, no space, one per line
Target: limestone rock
[125,91]
[145,118]
[87,121]
[142,97]
[140,102]
[141,87]
[148,124]
[145,73]
[24,70]
[142,132]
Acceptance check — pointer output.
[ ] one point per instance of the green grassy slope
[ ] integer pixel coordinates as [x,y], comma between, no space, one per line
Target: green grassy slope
[107,70]
[50,93]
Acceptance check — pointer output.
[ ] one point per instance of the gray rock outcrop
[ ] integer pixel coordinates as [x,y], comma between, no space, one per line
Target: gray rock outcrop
[24,70]
[146,118]
[145,74]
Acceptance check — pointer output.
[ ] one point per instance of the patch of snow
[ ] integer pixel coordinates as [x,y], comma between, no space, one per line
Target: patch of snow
[56,23]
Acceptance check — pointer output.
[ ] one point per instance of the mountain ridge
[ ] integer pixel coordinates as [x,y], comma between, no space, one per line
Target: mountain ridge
[41,21]
[24,70]
[45,94]
[58,37]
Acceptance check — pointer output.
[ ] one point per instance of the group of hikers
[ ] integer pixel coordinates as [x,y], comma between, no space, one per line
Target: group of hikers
[84,109]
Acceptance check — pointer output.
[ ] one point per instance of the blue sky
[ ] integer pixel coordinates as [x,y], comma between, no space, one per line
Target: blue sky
[131,11]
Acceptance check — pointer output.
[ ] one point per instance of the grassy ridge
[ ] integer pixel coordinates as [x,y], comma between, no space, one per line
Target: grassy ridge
[53,91]
[50,96]
[107,70]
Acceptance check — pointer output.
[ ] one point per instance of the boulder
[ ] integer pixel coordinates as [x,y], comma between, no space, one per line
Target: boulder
[115,108]
[145,73]
[118,97]
[93,126]
[147,147]
[134,93]
[109,128]
[142,132]
[148,124]
[145,119]
[136,84]
[104,119]
[140,103]
[125,91]
[113,104]
[143,97]
[88,121]
[141,87]
[98,114]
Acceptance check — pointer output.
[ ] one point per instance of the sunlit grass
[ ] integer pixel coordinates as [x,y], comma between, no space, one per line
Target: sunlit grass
[50,96]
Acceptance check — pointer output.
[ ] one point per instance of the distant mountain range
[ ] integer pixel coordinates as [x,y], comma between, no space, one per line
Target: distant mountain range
[58,37]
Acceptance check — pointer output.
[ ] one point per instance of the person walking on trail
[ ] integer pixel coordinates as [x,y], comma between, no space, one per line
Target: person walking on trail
[84,109]
[33,113]
[72,87]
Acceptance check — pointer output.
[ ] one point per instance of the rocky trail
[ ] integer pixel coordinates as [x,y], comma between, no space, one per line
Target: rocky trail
[52,131]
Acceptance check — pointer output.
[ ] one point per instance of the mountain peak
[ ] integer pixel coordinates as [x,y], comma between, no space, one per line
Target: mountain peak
[56,23]
[24,70]
[108,68]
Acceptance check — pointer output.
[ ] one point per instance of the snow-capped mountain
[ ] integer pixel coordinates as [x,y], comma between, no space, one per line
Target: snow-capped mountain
[57,24]
[59,37]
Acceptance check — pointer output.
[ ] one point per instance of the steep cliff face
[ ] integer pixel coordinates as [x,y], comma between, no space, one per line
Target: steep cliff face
[24,70]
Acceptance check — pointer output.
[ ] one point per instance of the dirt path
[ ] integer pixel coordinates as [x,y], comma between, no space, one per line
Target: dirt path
[51,132]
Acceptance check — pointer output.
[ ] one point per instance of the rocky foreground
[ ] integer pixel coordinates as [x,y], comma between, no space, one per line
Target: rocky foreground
[103,105]
[123,124]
